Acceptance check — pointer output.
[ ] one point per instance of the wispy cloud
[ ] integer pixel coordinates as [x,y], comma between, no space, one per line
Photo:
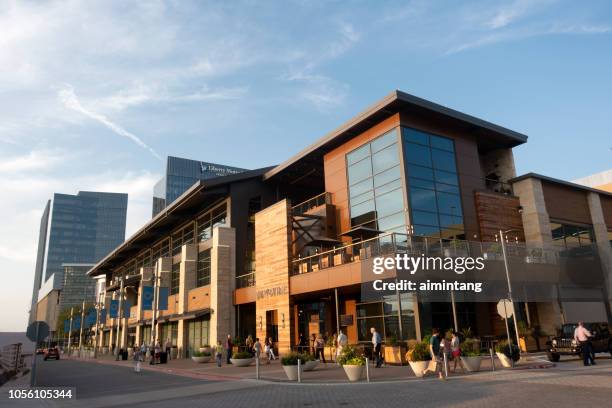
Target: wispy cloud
[35,160]
[70,100]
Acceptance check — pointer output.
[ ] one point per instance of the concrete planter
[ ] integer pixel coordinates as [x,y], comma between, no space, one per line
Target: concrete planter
[354,372]
[418,367]
[395,355]
[292,371]
[241,362]
[504,360]
[310,365]
[205,350]
[201,359]
[471,363]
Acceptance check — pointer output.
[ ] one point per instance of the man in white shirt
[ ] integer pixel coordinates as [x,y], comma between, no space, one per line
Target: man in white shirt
[582,336]
[376,343]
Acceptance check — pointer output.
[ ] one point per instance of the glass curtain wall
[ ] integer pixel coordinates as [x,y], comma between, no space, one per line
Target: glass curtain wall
[375,187]
[385,317]
[433,185]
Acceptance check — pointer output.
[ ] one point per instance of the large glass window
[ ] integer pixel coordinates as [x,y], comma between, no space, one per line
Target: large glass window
[210,220]
[375,187]
[433,185]
[571,236]
[203,271]
[384,317]
[175,276]
[198,335]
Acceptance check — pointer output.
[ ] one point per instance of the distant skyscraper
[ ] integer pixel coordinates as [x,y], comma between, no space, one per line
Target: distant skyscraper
[74,229]
[182,174]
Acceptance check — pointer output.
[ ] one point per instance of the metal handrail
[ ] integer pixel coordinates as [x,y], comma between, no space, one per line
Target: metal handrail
[246,280]
[316,201]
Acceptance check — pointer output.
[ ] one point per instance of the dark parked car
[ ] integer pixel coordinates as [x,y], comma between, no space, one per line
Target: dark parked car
[565,345]
[52,352]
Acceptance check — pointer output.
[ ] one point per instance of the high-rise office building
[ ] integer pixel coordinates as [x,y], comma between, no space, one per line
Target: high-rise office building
[74,229]
[180,175]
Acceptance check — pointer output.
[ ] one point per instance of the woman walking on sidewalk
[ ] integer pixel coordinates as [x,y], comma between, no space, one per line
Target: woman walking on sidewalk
[219,353]
[137,359]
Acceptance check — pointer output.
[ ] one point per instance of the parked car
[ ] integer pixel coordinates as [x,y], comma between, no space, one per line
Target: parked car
[565,345]
[52,352]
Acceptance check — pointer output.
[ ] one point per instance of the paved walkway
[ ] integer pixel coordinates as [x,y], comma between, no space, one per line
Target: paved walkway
[323,374]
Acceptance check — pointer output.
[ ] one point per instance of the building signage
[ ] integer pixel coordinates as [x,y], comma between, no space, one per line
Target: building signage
[272,292]
[221,171]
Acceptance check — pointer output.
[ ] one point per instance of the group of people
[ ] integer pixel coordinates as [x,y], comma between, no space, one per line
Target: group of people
[253,346]
[316,344]
[154,353]
[441,346]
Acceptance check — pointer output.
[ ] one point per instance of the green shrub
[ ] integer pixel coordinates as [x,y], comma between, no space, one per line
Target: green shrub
[291,359]
[241,355]
[201,354]
[350,356]
[510,350]
[419,352]
[307,357]
[392,341]
[470,348]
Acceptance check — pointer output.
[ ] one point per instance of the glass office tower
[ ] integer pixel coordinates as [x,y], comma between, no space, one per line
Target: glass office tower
[79,229]
[182,174]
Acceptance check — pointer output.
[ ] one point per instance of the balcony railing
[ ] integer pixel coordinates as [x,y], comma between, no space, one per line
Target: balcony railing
[316,201]
[393,243]
[386,244]
[245,281]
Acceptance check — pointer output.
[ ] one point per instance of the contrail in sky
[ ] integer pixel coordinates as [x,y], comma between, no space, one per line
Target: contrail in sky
[70,100]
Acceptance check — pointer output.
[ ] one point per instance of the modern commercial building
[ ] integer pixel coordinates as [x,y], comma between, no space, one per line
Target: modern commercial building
[180,175]
[75,229]
[77,286]
[287,251]
[600,181]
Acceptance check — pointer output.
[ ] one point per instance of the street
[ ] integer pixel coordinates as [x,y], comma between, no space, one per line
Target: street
[99,385]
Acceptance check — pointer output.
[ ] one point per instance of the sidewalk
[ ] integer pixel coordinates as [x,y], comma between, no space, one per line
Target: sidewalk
[323,373]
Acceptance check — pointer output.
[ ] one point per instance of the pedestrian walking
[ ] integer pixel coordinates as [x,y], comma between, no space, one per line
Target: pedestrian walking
[137,359]
[218,353]
[269,350]
[249,344]
[313,339]
[456,351]
[434,351]
[168,347]
[320,348]
[228,349]
[376,345]
[257,348]
[583,337]
[342,343]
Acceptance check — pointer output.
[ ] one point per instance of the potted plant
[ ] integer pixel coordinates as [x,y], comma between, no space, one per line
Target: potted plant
[418,357]
[507,353]
[206,348]
[394,351]
[201,356]
[470,355]
[290,365]
[352,363]
[309,362]
[241,359]
[330,348]
[238,342]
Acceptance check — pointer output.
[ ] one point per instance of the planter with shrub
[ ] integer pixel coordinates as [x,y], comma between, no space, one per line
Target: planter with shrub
[290,365]
[394,351]
[241,359]
[201,356]
[309,363]
[507,353]
[353,363]
[470,355]
[206,349]
[419,357]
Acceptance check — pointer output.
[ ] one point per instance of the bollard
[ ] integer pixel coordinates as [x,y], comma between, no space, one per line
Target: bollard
[492,359]
[367,370]
[299,370]
[257,368]
[445,364]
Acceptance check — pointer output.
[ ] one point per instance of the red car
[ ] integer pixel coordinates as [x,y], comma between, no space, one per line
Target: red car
[52,353]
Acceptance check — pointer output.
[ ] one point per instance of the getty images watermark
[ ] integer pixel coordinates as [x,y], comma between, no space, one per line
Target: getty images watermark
[412,265]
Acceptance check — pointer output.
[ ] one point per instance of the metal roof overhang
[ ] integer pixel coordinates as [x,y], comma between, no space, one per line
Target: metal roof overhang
[199,196]
[489,135]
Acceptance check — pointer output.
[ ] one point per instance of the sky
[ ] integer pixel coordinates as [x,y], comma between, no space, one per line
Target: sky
[94,95]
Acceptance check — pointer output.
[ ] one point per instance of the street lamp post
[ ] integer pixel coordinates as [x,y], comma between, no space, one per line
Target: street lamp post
[155,279]
[505,255]
[70,330]
[97,336]
[119,317]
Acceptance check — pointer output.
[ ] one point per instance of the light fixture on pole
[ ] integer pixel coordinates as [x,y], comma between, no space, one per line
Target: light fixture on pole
[507,269]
